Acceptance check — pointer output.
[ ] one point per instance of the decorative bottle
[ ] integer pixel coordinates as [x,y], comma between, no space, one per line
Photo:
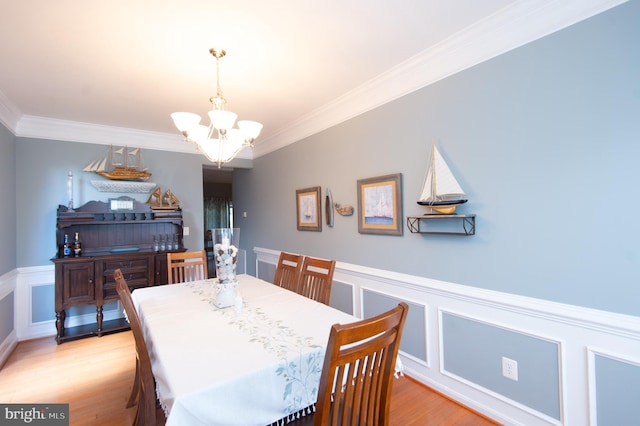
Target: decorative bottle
[66,248]
[77,246]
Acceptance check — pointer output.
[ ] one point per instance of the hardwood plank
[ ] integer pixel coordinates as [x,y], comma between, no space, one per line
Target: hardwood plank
[413,403]
[94,376]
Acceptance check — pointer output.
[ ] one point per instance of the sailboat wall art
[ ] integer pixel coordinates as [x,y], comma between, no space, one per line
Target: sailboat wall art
[308,209]
[380,205]
[441,191]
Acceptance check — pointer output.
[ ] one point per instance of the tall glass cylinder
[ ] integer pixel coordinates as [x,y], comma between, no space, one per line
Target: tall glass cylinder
[225,251]
[70,190]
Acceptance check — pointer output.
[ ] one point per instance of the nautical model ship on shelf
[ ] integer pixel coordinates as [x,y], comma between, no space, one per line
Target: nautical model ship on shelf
[441,191]
[121,164]
[168,201]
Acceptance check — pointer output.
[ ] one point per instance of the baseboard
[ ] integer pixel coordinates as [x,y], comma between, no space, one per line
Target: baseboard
[7,347]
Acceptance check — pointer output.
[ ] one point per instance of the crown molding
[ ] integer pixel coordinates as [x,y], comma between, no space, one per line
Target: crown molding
[51,128]
[73,131]
[9,113]
[515,25]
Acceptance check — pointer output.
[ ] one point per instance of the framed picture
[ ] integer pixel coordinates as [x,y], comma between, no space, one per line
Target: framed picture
[380,205]
[308,209]
[122,203]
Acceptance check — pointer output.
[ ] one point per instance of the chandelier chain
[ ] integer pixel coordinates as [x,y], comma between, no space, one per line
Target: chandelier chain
[218,101]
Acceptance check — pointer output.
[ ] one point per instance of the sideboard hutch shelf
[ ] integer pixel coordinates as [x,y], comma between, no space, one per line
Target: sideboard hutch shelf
[465,224]
[116,234]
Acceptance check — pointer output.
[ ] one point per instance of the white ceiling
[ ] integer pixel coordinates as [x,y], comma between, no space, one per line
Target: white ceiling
[113,71]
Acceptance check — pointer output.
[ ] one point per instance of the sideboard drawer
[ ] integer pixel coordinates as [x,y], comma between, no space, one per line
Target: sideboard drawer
[137,271]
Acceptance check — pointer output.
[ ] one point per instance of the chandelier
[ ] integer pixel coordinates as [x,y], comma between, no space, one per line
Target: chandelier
[220,142]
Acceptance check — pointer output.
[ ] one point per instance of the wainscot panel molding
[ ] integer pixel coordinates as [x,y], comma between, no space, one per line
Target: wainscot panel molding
[613,398]
[28,278]
[26,304]
[464,357]
[7,298]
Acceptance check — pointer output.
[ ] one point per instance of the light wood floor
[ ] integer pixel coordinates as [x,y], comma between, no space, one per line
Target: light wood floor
[95,375]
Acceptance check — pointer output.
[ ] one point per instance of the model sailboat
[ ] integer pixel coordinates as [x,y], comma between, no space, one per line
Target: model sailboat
[168,201]
[124,168]
[441,191]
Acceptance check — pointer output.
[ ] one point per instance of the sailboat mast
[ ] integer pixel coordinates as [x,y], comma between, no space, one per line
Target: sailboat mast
[434,194]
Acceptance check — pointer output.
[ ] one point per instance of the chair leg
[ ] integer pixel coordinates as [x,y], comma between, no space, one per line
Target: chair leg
[135,389]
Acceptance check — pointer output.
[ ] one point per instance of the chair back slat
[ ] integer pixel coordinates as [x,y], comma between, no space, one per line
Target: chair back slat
[356,381]
[316,279]
[187,266]
[288,271]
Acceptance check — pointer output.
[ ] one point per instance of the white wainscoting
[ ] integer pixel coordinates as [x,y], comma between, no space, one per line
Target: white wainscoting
[28,278]
[580,332]
[7,290]
[575,329]
[22,281]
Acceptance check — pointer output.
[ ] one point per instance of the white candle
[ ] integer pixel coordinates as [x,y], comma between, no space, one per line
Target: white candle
[225,241]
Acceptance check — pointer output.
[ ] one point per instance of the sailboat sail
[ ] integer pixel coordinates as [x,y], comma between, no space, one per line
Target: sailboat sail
[441,190]
[91,167]
[119,151]
[383,209]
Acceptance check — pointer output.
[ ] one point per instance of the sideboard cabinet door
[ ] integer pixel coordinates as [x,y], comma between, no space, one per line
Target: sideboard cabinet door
[75,285]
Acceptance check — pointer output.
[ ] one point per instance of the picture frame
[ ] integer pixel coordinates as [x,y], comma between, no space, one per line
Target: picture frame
[121,204]
[380,205]
[308,209]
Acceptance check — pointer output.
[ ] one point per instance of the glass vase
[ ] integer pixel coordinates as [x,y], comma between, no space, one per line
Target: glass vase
[225,252]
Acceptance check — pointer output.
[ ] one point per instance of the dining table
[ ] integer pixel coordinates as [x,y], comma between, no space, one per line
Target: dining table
[257,362]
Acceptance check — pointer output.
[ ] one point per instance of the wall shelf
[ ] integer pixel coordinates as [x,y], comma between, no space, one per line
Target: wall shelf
[120,186]
[452,224]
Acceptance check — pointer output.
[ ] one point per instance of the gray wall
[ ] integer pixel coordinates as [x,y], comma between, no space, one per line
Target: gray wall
[544,139]
[44,187]
[8,194]
[7,227]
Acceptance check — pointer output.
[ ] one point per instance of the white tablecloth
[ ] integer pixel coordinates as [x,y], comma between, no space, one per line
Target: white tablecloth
[248,365]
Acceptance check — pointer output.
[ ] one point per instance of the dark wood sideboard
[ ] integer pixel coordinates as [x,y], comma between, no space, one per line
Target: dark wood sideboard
[119,233]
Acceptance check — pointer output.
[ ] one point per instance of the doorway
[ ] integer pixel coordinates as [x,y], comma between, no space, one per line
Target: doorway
[218,206]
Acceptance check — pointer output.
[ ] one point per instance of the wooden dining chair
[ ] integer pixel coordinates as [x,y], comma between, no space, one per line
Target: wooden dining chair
[144,389]
[187,266]
[357,375]
[316,278]
[288,270]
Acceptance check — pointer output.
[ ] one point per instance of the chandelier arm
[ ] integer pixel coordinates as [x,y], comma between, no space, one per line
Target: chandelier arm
[223,140]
